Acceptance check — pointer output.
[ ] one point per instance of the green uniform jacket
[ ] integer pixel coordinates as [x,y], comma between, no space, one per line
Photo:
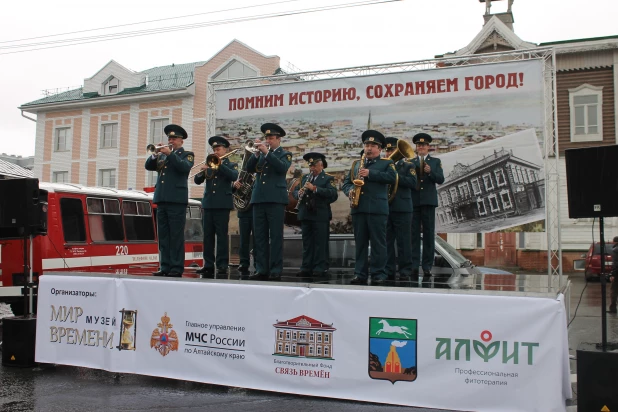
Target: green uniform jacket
[270,170]
[374,194]
[325,194]
[407,180]
[218,190]
[172,185]
[426,194]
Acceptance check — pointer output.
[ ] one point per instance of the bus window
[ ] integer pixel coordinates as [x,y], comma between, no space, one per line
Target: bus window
[193,225]
[104,220]
[138,221]
[73,225]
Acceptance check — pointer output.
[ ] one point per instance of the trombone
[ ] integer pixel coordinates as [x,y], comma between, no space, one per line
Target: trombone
[213,161]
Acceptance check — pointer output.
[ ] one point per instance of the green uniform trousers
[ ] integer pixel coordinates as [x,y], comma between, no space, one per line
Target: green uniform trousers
[215,223]
[268,235]
[315,246]
[171,218]
[369,227]
[396,230]
[245,227]
[424,216]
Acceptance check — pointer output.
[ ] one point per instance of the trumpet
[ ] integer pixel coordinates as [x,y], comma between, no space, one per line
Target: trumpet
[252,147]
[155,149]
[213,161]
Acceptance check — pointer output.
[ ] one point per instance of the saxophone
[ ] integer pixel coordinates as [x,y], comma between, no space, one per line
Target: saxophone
[358,184]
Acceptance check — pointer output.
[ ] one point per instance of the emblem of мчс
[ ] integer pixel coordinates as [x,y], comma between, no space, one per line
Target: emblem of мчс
[392,349]
[164,339]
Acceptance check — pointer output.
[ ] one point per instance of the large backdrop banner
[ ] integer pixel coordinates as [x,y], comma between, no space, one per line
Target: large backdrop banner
[450,351]
[497,183]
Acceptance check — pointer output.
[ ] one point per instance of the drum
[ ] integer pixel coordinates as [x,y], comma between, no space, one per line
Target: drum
[291,215]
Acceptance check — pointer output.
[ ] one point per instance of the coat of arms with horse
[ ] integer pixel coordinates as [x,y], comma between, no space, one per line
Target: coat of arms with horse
[392,349]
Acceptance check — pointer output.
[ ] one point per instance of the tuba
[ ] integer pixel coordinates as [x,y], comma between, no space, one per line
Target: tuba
[358,184]
[242,195]
[404,150]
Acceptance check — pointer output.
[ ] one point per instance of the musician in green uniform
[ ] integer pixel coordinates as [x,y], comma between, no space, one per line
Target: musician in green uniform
[171,197]
[370,208]
[216,205]
[269,198]
[400,219]
[429,173]
[315,193]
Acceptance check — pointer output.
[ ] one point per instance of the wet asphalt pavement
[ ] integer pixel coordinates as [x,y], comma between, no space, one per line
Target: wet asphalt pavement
[67,388]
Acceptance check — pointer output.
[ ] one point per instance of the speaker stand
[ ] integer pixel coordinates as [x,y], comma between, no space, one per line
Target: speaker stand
[603,288]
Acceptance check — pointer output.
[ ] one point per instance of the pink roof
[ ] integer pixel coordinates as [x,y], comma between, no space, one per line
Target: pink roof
[304,322]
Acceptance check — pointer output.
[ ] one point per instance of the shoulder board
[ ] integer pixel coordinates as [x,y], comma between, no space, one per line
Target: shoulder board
[384,158]
[328,174]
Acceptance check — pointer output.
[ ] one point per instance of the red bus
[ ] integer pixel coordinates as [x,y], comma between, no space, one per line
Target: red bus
[96,229]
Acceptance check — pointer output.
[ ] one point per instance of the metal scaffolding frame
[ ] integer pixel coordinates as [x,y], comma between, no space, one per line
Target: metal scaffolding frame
[550,144]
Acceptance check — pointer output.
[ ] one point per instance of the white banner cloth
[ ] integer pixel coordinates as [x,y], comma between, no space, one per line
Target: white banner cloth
[450,351]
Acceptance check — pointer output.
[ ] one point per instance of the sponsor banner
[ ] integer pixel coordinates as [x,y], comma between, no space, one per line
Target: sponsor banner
[460,107]
[487,353]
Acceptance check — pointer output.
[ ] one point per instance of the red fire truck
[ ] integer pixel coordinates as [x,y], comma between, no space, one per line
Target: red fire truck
[95,229]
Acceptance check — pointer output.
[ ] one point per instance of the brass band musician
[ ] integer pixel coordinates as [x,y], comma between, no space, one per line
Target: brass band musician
[315,194]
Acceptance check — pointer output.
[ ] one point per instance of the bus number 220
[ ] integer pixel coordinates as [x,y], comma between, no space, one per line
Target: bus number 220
[122,250]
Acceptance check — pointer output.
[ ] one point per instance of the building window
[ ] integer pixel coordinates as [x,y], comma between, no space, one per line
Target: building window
[449,216]
[524,174]
[109,135]
[476,186]
[235,70]
[294,335]
[112,86]
[479,236]
[453,192]
[464,189]
[444,197]
[500,181]
[531,175]
[279,347]
[327,338]
[311,337]
[156,130]
[487,181]
[480,204]
[319,350]
[287,348]
[311,350]
[104,219]
[586,109]
[493,203]
[280,334]
[302,336]
[60,177]
[294,349]
[107,177]
[62,138]
[326,351]
[441,217]
[287,335]
[506,200]
[319,338]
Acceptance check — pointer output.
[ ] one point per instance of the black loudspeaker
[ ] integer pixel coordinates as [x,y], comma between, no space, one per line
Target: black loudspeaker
[597,374]
[592,181]
[23,208]
[19,337]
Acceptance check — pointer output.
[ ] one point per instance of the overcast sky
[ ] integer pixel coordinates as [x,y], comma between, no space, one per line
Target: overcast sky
[391,32]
